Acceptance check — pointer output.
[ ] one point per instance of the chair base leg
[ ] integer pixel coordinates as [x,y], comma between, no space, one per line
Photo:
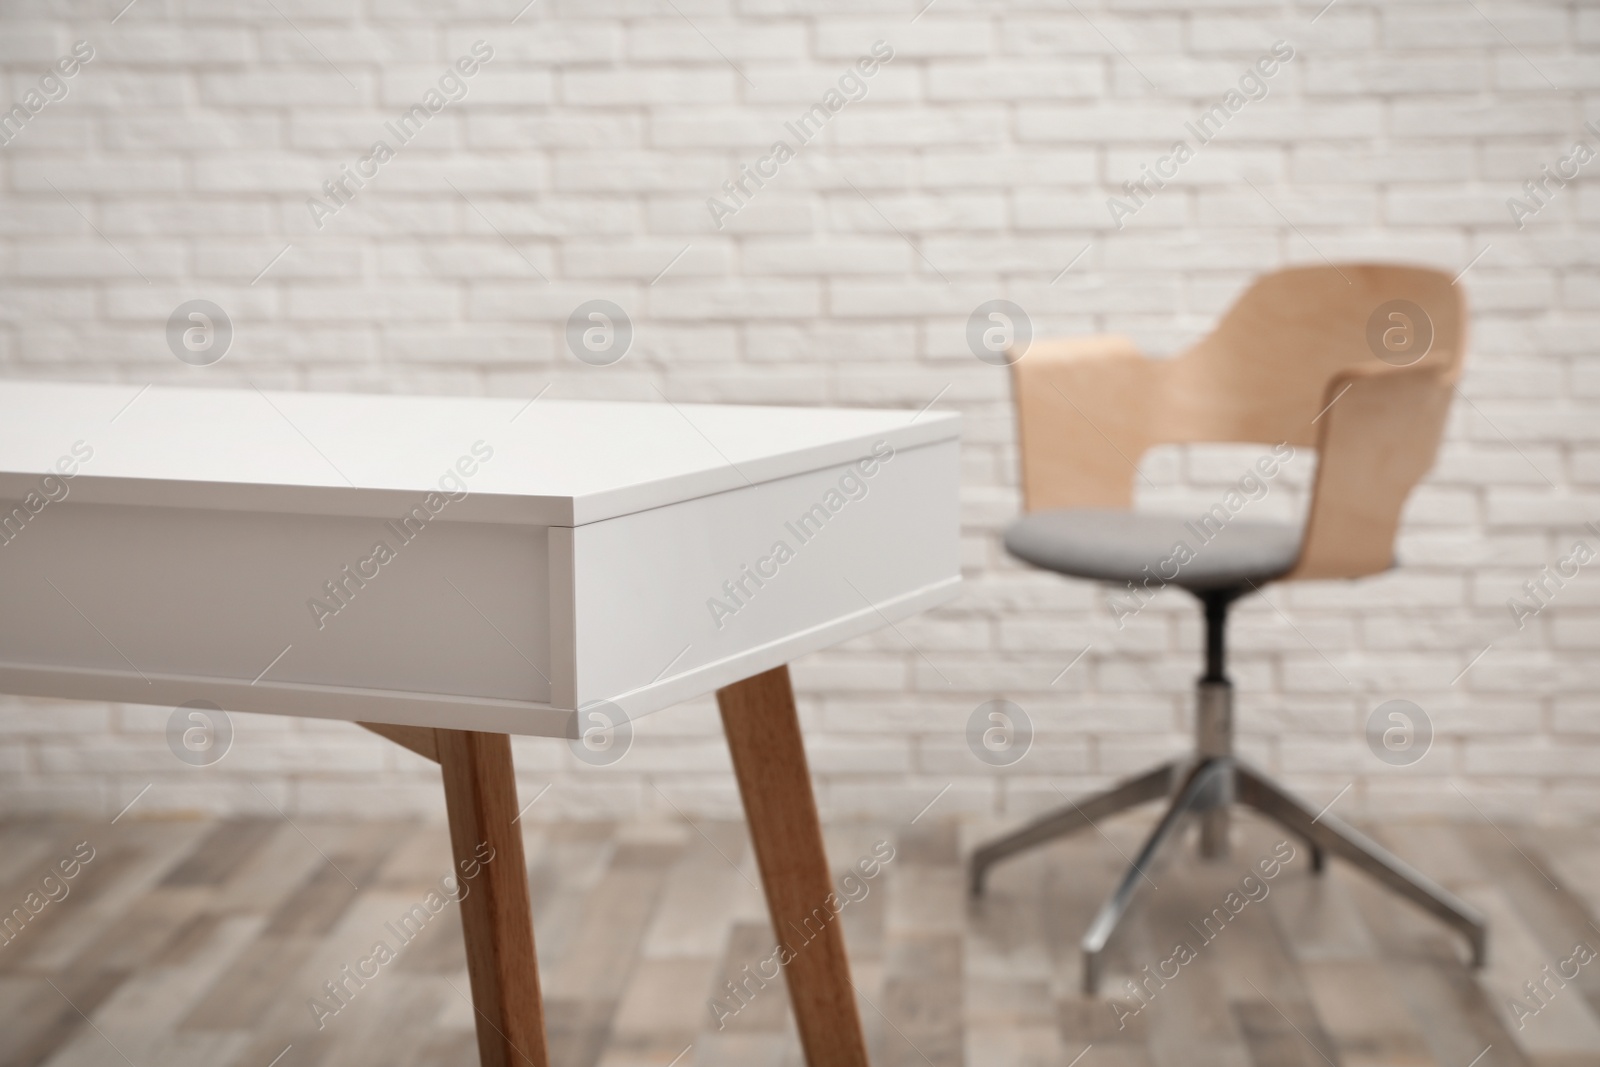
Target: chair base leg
[1210,787]
[1214,824]
[1326,832]
[1197,791]
[1068,820]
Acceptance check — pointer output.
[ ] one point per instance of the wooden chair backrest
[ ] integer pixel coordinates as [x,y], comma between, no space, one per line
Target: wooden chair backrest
[1299,358]
[1261,375]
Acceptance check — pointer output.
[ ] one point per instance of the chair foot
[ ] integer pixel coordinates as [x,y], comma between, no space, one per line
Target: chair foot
[1198,789]
[1078,815]
[1326,832]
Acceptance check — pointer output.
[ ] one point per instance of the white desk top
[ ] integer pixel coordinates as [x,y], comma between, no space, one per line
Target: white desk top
[555,462]
[265,551]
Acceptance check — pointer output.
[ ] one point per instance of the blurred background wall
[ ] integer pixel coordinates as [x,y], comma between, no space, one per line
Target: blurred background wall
[977,161]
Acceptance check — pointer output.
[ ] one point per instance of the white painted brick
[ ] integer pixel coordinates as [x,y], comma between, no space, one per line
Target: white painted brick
[470,346]
[776,210]
[173,45]
[262,174]
[1516,507]
[55,132]
[1236,36]
[38,44]
[986,151]
[782,343]
[954,760]
[385,303]
[1418,74]
[581,39]
[952,35]
[417,173]
[1129,715]
[1535,758]
[737,301]
[699,175]
[256,87]
[870,257]
[786,92]
[489,257]
[91,257]
[303,12]
[510,129]
[1539,71]
[1431,26]
[1313,211]
[124,175]
[646,86]
[350,46]
[1433,119]
[495,84]
[1094,123]
[951,124]
[676,41]
[888,757]
[1389,164]
[952,168]
[1016,80]
[1086,209]
[751,135]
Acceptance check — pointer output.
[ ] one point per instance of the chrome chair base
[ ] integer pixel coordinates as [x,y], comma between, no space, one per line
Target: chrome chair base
[1207,788]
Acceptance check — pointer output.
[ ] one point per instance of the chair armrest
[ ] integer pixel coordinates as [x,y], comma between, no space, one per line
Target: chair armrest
[1082,415]
[1377,439]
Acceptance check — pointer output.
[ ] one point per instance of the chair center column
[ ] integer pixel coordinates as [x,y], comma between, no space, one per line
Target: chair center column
[1213,723]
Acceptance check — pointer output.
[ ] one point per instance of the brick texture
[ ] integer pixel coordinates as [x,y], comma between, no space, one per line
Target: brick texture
[976,164]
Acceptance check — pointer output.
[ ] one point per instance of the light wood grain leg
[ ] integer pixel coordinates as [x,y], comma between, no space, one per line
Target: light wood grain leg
[480,791]
[769,759]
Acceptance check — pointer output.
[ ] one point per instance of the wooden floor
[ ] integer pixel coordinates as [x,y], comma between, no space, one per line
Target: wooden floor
[193,943]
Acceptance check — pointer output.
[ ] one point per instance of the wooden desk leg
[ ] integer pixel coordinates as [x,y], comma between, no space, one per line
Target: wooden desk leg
[480,792]
[769,759]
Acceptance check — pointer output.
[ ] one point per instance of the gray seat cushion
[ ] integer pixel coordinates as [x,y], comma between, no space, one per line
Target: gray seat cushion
[1115,545]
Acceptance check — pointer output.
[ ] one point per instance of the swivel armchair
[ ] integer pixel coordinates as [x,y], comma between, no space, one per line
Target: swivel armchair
[1357,361]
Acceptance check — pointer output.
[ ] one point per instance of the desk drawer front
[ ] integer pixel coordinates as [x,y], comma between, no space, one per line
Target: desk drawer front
[451,608]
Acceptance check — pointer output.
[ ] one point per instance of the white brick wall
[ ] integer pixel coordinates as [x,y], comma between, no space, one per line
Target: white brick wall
[977,166]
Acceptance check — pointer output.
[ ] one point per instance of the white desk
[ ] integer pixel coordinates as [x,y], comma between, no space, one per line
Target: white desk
[448,571]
